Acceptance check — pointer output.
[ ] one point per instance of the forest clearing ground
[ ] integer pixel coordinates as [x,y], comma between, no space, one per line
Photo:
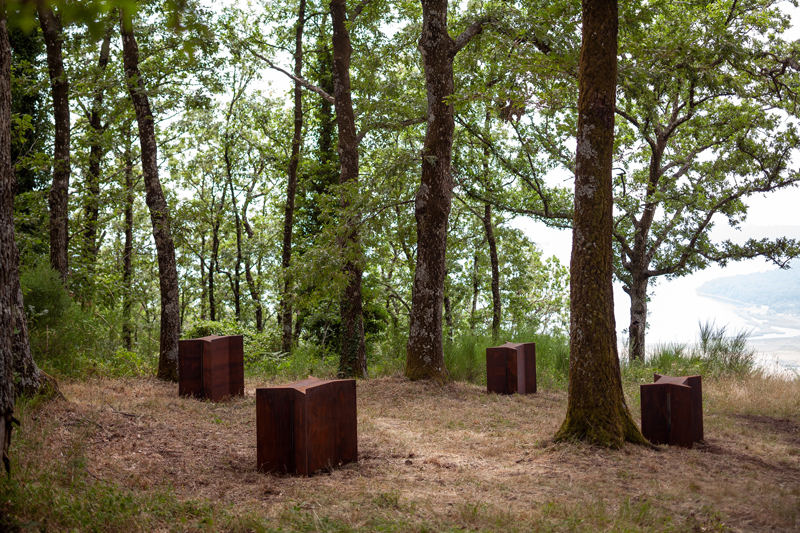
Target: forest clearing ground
[432,458]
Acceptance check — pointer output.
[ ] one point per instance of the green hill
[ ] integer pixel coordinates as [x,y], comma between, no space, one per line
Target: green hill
[778,289]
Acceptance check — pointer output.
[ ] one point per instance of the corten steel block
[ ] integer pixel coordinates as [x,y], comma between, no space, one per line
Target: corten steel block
[511,368]
[672,410]
[211,367]
[306,426]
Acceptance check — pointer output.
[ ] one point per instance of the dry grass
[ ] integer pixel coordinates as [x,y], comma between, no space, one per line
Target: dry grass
[430,459]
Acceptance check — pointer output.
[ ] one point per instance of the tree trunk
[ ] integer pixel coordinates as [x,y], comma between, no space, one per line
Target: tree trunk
[476,289]
[596,408]
[248,273]
[285,312]
[424,353]
[127,265]
[59,191]
[237,300]
[91,208]
[448,320]
[638,295]
[203,286]
[213,267]
[488,227]
[353,356]
[9,266]
[159,211]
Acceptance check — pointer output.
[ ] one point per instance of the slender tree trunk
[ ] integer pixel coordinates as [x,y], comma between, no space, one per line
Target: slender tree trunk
[213,268]
[488,227]
[203,286]
[448,320]
[159,211]
[127,265]
[424,353]
[638,295]
[353,357]
[285,312]
[91,208]
[59,191]
[476,286]
[9,266]
[237,300]
[639,262]
[248,273]
[596,409]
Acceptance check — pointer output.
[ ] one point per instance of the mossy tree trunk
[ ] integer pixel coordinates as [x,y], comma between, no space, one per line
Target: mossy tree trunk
[353,357]
[58,197]
[9,266]
[596,409]
[157,204]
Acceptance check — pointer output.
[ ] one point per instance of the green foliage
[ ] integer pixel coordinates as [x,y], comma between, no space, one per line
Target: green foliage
[70,340]
[46,300]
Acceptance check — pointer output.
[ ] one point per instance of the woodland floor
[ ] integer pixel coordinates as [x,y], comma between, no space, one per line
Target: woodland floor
[430,459]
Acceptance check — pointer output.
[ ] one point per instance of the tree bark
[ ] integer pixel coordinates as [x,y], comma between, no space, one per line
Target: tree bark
[91,208]
[285,316]
[596,408]
[638,324]
[448,320]
[157,204]
[488,227]
[9,266]
[424,353]
[237,300]
[353,356]
[476,286]
[213,267]
[248,272]
[58,198]
[127,265]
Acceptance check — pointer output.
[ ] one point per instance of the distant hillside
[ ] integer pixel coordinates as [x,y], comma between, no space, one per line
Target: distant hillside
[778,289]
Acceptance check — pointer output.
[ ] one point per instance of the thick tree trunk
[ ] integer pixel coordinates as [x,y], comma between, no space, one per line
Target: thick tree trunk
[285,312]
[488,227]
[159,211]
[353,356]
[424,353]
[59,190]
[91,207]
[638,295]
[596,409]
[9,266]
[127,265]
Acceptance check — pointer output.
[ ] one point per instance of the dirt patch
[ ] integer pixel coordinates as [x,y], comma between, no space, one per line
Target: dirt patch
[452,455]
[786,429]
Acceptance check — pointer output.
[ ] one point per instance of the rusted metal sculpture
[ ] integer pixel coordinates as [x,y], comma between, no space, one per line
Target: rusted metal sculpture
[211,367]
[511,368]
[306,426]
[672,410]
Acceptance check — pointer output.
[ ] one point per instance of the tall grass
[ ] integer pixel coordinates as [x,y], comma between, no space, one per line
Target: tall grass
[466,358]
[717,353]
